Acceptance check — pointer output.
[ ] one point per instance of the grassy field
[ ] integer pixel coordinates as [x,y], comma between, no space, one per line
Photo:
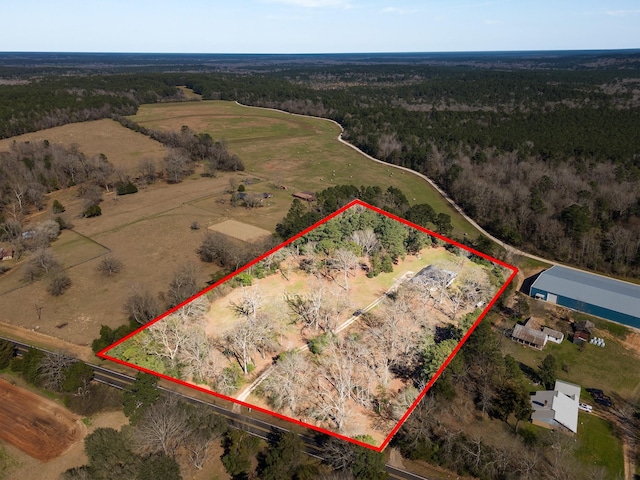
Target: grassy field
[299,152]
[599,445]
[123,147]
[588,367]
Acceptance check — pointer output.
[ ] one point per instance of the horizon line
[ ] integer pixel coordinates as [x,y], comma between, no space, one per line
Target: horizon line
[416,52]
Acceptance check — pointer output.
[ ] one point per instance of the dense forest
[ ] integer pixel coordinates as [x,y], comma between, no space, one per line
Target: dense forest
[541,152]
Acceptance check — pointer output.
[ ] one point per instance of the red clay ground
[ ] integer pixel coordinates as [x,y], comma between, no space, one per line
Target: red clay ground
[37,426]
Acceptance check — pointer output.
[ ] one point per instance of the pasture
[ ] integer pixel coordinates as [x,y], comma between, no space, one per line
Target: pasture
[150,230]
[124,148]
[302,153]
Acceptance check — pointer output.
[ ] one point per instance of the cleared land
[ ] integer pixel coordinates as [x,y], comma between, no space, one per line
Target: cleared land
[240,231]
[149,231]
[123,147]
[39,427]
[303,153]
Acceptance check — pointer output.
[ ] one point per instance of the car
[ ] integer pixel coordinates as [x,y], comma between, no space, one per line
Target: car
[585,408]
[357,313]
[603,400]
[595,391]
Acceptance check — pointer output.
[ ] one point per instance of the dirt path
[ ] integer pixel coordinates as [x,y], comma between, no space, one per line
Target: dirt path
[45,341]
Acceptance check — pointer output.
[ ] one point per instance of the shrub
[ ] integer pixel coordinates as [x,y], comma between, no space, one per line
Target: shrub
[241,188]
[127,188]
[318,344]
[58,207]
[92,211]
[59,283]
[64,225]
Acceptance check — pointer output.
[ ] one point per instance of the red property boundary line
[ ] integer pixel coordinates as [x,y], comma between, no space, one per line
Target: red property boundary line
[103,353]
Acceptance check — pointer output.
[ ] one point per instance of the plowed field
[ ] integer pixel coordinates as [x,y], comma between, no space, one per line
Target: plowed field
[37,426]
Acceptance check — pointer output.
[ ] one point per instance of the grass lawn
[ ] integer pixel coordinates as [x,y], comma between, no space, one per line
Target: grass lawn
[302,153]
[599,445]
[587,368]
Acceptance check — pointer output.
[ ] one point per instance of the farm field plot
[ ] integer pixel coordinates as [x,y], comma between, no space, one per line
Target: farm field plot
[240,231]
[39,427]
[341,329]
[149,232]
[123,147]
[301,153]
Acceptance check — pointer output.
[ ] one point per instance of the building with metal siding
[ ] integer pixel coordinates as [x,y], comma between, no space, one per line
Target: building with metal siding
[589,293]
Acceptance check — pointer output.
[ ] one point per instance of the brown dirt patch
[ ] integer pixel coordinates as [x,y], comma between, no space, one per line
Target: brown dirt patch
[39,427]
[241,231]
[124,148]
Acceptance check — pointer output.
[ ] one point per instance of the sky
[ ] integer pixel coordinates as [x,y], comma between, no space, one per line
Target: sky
[316,26]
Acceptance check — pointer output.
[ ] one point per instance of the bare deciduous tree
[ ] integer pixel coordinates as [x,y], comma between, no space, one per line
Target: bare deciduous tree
[52,369]
[141,305]
[183,285]
[163,428]
[109,265]
[41,262]
[147,170]
[287,384]
[345,260]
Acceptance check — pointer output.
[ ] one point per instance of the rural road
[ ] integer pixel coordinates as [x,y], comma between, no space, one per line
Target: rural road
[240,421]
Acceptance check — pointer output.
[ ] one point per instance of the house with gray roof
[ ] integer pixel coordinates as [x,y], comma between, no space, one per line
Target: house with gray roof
[589,293]
[557,408]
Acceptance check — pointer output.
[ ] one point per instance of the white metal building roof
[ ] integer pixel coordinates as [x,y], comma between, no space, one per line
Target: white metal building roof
[590,288]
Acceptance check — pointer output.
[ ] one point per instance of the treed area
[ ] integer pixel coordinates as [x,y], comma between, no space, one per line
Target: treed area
[320,373]
[170,438]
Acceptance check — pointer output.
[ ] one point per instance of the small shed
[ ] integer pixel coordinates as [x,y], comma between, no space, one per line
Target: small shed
[553,335]
[306,196]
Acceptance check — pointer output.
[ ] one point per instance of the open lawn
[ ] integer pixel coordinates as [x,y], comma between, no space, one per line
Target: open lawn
[302,153]
[124,148]
[589,366]
[599,445]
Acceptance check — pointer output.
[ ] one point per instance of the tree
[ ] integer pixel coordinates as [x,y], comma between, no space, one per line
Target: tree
[163,427]
[345,260]
[7,351]
[205,427]
[285,459]
[547,371]
[40,263]
[92,211]
[368,465]
[421,214]
[53,370]
[77,377]
[141,306]
[183,285]
[139,396]
[158,466]
[287,384]
[176,165]
[109,455]
[109,266]
[239,448]
[147,170]
[59,282]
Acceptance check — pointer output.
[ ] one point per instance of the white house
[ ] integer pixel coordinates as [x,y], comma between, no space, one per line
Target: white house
[557,408]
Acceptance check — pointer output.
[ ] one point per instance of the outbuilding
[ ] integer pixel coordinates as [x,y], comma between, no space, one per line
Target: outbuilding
[589,293]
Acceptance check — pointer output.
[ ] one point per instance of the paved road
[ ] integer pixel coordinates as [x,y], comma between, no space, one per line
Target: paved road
[241,421]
